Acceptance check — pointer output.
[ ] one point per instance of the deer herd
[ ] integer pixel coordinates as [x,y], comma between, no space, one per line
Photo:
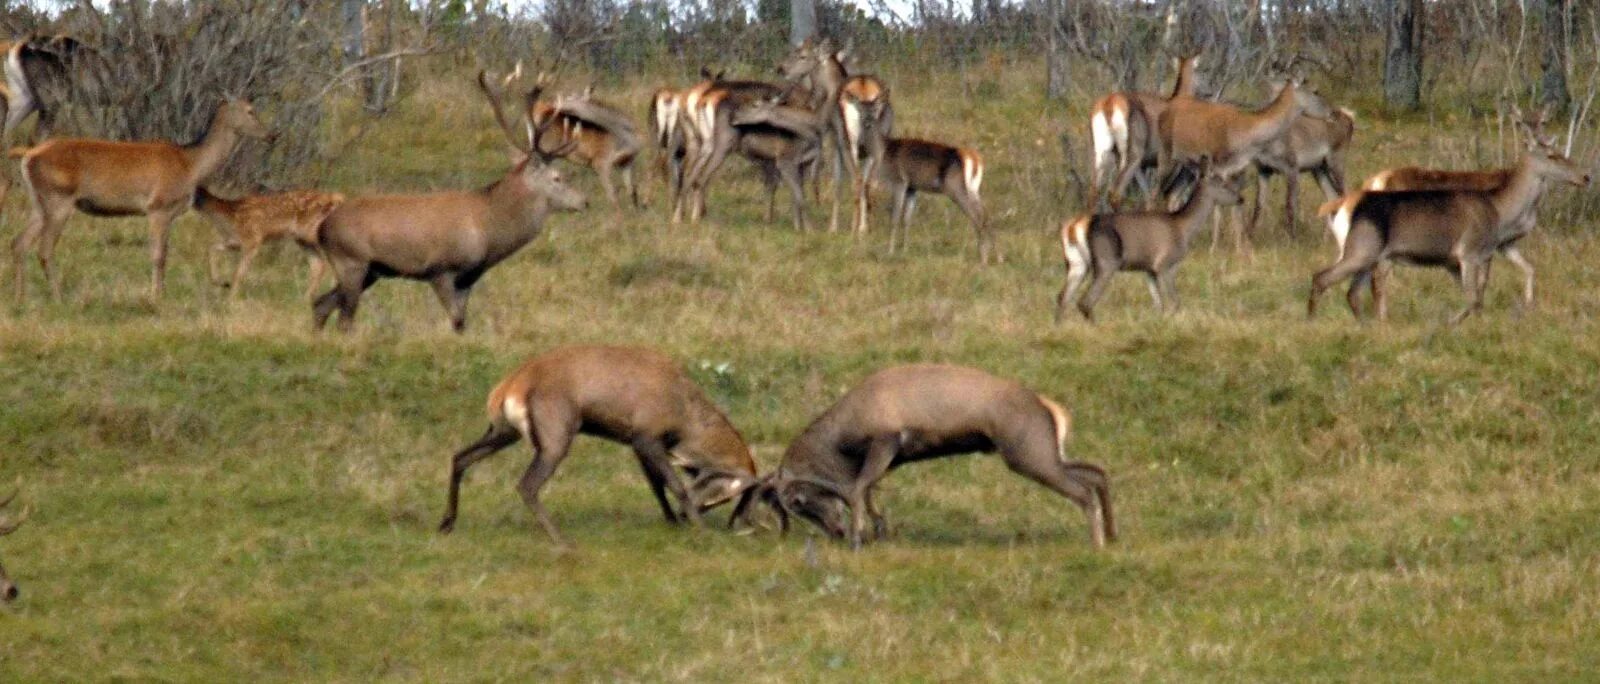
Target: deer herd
[1182,150]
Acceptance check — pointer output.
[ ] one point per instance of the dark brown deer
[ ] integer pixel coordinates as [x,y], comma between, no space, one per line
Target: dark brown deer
[1153,243]
[911,413]
[784,142]
[36,68]
[629,395]
[106,178]
[912,165]
[1458,230]
[1123,128]
[247,223]
[448,239]
[8,589]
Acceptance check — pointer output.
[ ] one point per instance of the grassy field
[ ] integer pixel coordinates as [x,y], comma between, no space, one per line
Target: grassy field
[221,494]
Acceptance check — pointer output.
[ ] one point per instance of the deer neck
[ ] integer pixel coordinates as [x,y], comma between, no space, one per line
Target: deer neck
[1184,86]
[517,210]
[1271,122]
[211,152]
[826,80]
[1191,217]
[1519,193]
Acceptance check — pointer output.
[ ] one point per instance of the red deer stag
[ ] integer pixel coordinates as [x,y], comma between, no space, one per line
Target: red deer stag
[105,178]
[247,223]
[911,413]
[1458,230]
[628,395]
[449,239]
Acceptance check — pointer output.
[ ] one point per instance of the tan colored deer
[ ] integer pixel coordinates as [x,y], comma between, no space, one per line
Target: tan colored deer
[8,589]
[1314,145]
[906,414]
[1123,128]
[629,395]
[105,178]
[448,239]
[247,223]
[607,139]
[1458,230]
[706,117]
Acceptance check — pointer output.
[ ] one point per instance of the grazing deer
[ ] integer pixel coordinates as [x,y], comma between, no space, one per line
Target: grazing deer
[1123,129]
[105,178]
[1150,242]
[607,138]
[911,165]
[842,101]
[245,224]
[911,413]
[706,117]
[785,142]
[1458,230]
[8,589]
[1231,138]
[1313,145]
[629,395]
[449,239]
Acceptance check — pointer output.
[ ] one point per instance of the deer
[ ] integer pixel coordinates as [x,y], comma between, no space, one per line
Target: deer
[1153,243]
[841,100]
[1314,145]
[245,224]
[785,142]
[911,413]
[1123,129]
[1190,128]
[8,589]
[670,146]
[607,138]
[448,239]
[35,66]
[629,395]
[912,165]
[706,117]
[1458,230]
[105,178]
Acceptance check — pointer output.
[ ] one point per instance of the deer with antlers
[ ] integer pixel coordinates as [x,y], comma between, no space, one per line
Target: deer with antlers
[447,239]
[1123,128]
[8,589]
[1458,230]
[106,178]
[912,413]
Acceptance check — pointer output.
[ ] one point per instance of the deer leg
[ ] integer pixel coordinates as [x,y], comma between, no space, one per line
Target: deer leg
[350,288]
[316,266]
[863,185]
[1291,202]
[652,450]
[1102,277]
[1514,255]
[1044,466]
[972,205]
[902,193]
[1470,274]
[248,253]
[452,298]
[603,170]
[552,439]
[160,231]
[1168,289]
[1332,275]
[658,488]
[494,439]
[793,177]
[1077,272]
[1362,278]
[1155,292]
[1255,204]
[701,180]
[880,525]
[1380,290]
[47,251]
[880,455]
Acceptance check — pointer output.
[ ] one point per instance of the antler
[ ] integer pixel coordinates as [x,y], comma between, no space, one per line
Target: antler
[496,103]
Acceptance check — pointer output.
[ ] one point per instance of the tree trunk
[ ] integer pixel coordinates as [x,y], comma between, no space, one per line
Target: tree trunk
[1402,59]
[1553,55]
[1055,61]
[802,21]
[352,30]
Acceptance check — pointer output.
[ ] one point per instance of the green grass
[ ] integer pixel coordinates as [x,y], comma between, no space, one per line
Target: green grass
[220,494]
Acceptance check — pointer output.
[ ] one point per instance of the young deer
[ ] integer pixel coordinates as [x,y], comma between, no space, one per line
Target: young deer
[1231,138]
[8,589]
[449,239]
[785,142]
[245,224]
[105,178]
[1123,129]
[1153,243]
[1314,145]
[911,165]
[841,101]
[911,413]
[607,139]
[1458,230]
[629,395]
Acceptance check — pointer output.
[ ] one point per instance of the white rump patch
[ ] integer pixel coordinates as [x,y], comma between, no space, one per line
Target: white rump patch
[1104,145]
[852,125]
[1339,225]
[515,411]
[1075,245]
[971,172]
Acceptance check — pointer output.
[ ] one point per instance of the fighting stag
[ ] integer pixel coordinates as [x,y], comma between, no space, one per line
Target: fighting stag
[911,413]
[629,395]
[448,239]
